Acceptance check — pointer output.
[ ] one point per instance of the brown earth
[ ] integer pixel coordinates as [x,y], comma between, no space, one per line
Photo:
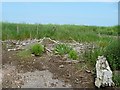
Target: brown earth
[78,75]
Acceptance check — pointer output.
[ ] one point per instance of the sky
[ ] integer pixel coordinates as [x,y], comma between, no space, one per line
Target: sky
[80,13]
[60,0]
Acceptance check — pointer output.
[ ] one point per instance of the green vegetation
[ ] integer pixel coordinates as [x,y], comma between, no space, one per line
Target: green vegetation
[116,79]
[73,55]
[57,32]
[104,38]
[37,49]
[91,56]
[111,51]
[0,31]
[113,54]
[62,49]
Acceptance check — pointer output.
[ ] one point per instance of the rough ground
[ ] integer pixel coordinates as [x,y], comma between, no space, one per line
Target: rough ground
[0,78]
[49,70]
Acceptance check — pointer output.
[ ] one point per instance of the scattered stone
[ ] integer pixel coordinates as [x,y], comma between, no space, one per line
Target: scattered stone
[103,72]
[64,85]
[53,85]
[23,44]
[61,66]
[32,55]
[88,71]
[71,61]
[46,41]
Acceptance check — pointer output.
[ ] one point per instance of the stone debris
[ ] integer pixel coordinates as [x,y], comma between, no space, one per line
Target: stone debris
[103,72]
[61,66]
[15,49]
[10,77]
[71,61]
[47,42]
[88,71]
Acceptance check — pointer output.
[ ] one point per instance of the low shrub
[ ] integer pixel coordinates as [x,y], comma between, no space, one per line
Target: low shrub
[62,49]
[37,49]
[73,55]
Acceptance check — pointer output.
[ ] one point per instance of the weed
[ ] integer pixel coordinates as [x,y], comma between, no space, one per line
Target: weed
[62,49]
[37,49]
[73,55]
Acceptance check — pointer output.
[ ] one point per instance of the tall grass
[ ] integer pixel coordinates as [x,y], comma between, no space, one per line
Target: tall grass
[57,32]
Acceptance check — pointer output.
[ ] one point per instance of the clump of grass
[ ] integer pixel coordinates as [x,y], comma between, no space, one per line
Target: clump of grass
[92,55]
[113,54]
[37,49]
[110,49]
[116,79]
[62,49]
[73,55]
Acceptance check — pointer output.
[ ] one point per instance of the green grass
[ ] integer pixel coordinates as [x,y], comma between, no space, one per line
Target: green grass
[112,53]
[62,49]
[54,31]
[37,49]
[91,56]
[73,55]
[116,79]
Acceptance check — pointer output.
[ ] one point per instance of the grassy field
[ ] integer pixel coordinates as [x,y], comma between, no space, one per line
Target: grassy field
[105,38]
[57,32]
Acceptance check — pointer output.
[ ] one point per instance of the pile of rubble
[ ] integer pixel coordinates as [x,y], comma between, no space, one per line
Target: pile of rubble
[14,45]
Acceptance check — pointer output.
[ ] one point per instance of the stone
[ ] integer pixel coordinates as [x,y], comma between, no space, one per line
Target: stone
[24,44]
[88,71]
[61,66]
[45,41]
[103,72]
[32,55]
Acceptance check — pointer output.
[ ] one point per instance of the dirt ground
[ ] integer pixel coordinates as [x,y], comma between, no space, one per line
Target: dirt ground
[43,72]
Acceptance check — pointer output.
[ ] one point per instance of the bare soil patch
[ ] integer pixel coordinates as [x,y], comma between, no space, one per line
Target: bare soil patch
[18,72]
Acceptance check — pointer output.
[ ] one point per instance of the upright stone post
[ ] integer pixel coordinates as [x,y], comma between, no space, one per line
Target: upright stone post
[103,72]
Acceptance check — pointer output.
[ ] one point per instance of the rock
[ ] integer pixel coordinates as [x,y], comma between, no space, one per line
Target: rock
[14,49]
[61,66]
[23,44]
[53,85]
[88,71]
[32,55]
[64,85]
[46,41]
[71,61]
[103,72]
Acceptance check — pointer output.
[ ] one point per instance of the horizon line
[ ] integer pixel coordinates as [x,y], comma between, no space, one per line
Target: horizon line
[58,24]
